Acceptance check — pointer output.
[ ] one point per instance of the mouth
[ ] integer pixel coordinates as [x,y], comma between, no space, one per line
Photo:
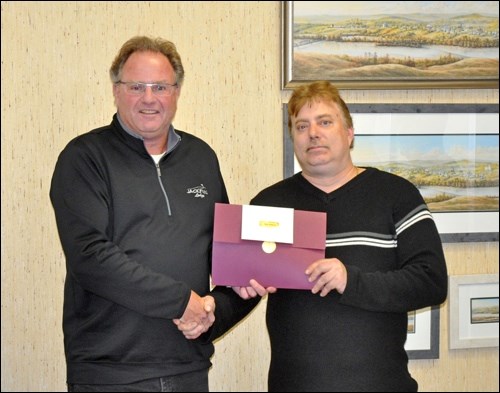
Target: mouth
[314,148]
[148,112]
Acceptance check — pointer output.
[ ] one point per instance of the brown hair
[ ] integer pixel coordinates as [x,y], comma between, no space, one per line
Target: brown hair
[147,44]
[316,91]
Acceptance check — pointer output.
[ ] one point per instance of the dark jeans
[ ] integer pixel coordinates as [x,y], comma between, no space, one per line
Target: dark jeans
[196,381]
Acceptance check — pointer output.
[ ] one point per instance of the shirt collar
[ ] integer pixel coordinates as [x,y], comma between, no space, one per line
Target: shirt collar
[173,138]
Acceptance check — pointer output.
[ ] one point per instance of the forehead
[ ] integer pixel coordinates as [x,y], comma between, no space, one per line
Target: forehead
[316,108]
[150,65]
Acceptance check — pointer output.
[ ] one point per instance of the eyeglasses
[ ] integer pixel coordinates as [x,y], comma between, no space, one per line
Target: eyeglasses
[139,88]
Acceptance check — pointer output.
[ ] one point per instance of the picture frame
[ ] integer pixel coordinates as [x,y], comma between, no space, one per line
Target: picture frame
[473,311]
[368,45]
[422,339]
[421,121]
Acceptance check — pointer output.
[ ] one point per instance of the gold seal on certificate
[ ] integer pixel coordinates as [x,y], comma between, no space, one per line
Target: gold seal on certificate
[268,247]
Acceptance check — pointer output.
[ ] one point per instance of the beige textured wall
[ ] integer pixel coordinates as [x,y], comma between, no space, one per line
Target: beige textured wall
[55,60]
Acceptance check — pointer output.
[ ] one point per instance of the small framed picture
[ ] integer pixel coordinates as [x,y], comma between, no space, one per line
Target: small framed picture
[473,301]
[422,337]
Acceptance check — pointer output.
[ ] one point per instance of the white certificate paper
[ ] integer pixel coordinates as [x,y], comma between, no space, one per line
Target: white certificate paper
[266,223]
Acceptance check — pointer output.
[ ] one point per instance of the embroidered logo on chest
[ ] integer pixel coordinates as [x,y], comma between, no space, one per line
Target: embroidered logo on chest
[198,191]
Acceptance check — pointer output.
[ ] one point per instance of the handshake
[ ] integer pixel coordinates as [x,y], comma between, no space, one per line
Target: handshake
[199,315]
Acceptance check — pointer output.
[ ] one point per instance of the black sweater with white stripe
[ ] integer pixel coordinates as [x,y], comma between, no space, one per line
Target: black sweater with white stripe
[379,226]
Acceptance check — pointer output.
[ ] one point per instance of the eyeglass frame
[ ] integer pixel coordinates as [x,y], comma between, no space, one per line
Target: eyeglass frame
[168,92]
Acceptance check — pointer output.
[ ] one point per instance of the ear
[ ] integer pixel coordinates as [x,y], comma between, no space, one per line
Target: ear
[115,92]
[350,136]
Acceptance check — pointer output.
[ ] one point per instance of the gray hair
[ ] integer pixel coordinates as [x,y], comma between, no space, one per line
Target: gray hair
[147,44]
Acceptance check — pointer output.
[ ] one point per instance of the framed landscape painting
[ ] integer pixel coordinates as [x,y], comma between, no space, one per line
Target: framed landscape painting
[450,152]
[391,44]
[473,311]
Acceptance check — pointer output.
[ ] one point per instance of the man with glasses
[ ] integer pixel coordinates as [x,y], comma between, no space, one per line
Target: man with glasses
[136,239]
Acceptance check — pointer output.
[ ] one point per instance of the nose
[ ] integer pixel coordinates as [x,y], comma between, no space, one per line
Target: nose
[313,131]
[148,94]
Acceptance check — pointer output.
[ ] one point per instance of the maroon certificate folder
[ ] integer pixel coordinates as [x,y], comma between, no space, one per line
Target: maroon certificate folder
[235,261]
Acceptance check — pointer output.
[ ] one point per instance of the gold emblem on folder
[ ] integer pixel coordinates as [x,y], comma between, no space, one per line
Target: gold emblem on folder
[268,247]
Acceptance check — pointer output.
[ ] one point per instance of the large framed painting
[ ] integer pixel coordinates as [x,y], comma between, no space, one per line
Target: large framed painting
[449,151]
[391,44]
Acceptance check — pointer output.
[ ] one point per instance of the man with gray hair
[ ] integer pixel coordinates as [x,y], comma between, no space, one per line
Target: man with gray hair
[137,239]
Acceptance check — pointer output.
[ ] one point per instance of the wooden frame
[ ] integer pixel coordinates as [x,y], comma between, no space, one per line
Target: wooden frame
[332,46]
[465,330]
[375,119]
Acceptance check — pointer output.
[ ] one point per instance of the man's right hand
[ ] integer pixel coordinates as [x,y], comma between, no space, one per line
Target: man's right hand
[198,317]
